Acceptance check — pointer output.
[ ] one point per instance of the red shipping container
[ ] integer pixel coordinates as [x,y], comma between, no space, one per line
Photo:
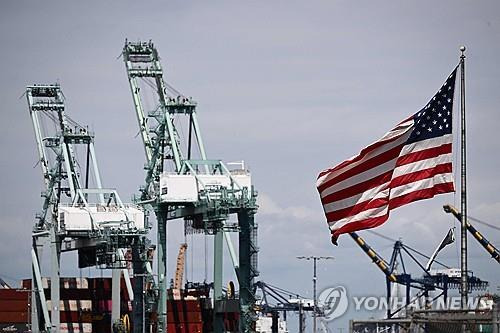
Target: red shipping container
[14,306]
[184,317]
[14,317]
[185,328]
[14,294]
[75,317]
[104,305]
[183,306]
[231,325]
[26,284]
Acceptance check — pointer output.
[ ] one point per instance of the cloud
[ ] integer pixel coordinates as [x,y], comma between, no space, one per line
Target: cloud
[267,206]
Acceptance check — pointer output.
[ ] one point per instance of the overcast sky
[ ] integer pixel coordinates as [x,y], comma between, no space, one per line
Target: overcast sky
[290,87]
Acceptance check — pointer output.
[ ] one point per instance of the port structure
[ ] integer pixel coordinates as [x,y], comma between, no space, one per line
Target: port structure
[274,300]
[78,214]
[440,280]
[487,245]
[182,183]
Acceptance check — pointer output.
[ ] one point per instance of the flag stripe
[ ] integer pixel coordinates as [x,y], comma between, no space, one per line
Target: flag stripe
[359,187]
[356,209]
[367,214]
[421,174]
[355,199]
[361,177]
[424,154]
[361,225]
[421,165]
[426,144]
[423,183]
[372,212]
[384,157]
[366,154]
[421,194]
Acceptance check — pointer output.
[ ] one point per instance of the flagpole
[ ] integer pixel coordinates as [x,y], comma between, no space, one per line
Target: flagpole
[463,186]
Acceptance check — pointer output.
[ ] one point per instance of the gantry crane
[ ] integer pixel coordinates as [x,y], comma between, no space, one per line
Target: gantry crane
[274,300]
[75,215]
[430,281]
[182,183]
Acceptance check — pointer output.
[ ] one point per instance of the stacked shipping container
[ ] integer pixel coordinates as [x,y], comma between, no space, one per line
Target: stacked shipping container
[86,308]
[14,310]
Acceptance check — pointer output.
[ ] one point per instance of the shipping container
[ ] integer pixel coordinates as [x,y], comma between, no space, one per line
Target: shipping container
[14,294]
[64,283]
[75,317]
[183,305]
[14,305]
[184,317]
[185,328]
[14,317]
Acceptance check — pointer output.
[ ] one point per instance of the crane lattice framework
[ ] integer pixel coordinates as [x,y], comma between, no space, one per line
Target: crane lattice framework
[92,220]
[181,183]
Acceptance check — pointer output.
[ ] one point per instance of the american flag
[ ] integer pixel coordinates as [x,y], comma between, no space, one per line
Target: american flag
[413,161]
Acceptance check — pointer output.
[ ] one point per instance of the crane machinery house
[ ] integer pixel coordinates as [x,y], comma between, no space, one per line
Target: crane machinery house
[190,188]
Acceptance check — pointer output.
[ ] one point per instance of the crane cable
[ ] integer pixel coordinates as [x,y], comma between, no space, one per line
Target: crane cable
[407,247]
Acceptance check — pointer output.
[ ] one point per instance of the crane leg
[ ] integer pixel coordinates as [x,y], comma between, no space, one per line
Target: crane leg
[138,266]
[248,269]
[55,283]
[218,269]
[162,271]
[115,295]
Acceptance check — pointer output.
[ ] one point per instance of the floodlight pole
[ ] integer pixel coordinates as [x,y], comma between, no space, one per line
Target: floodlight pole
[314,259]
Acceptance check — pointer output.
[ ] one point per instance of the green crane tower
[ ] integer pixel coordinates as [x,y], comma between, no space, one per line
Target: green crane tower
[78,214]
[182,183]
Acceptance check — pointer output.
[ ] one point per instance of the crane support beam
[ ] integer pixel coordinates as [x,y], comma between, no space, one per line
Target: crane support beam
[377,260]
[488,246]
[38,286]
[162,271]
[232,253]
[248,268]
[115,294]
[139,266]
[54,282]
[218,270]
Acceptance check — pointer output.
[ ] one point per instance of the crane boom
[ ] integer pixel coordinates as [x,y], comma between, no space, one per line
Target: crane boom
[377,260]
[492,250]
[179,269]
